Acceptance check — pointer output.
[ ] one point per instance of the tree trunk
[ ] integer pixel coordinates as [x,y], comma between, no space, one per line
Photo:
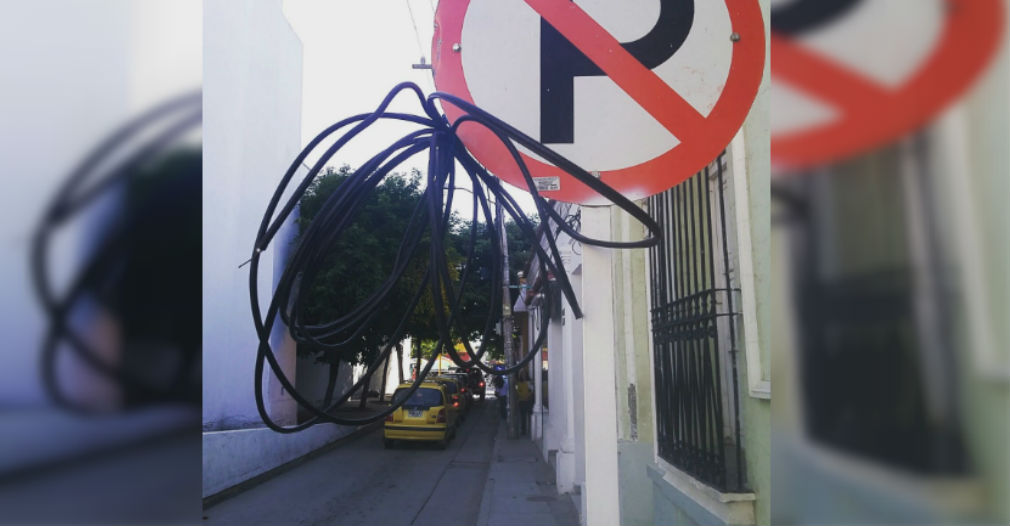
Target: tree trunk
[364,389]
[399,361]
[416,344]
[331,383]
[385,374]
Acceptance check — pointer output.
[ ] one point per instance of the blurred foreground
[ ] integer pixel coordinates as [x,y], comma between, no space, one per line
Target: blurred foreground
[100,388]
[890,244]
[890,248]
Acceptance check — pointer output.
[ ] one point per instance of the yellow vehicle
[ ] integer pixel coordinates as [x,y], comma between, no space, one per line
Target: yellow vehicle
[459,401]
[427,415]
[468,387]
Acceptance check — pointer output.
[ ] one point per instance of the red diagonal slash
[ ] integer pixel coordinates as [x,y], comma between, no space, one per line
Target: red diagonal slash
[827,80]
[872,114]
[640,83]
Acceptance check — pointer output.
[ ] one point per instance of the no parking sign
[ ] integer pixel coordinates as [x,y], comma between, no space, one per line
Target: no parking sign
[852,75]
[643,93]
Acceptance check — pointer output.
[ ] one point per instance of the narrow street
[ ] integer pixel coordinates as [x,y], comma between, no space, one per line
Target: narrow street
[359,482]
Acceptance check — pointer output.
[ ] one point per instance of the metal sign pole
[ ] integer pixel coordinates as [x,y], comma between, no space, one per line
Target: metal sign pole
[507,323]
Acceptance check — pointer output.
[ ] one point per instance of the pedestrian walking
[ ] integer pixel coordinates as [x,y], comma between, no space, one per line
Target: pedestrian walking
[502,395]
[524,392]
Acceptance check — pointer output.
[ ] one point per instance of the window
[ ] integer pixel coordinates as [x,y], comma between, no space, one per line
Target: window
[872,295]
[695,309]
[423,397]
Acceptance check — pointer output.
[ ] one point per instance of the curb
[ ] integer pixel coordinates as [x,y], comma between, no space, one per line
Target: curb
[227,493]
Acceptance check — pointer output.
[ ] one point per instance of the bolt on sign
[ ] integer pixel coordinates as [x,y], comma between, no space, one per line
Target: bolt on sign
[641,93]
[849,76]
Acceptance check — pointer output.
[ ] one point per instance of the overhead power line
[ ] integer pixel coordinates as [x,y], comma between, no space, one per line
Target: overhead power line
[417,34]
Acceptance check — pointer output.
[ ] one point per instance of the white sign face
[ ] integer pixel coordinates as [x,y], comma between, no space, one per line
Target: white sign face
[503,52]
[640,93]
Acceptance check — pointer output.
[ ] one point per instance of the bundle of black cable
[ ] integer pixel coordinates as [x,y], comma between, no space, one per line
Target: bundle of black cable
[440,284]
[141,269]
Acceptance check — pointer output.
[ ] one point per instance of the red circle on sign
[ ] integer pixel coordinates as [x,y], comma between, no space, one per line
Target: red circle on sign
[873,114]
[701,138]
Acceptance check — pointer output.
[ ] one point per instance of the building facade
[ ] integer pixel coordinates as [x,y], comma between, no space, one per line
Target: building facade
[656,404]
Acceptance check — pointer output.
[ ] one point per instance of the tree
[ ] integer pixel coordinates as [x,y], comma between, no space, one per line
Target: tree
[357,263]
[475,303]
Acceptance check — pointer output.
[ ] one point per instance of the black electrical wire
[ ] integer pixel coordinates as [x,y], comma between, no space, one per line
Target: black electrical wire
[86,184]
[431,216]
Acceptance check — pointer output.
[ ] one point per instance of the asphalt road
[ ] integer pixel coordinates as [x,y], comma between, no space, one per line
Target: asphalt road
[359,482]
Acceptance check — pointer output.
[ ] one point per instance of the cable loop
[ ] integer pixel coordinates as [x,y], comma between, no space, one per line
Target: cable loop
[430,217]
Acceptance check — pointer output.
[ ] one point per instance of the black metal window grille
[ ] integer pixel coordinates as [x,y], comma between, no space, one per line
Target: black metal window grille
[872,300]
[694,326]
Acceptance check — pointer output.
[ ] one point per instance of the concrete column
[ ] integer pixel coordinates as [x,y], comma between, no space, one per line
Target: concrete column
[536,426]
[556,415]
[599,396]
[570,344]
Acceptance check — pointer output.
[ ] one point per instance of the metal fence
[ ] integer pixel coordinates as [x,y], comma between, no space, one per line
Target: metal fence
[694,324]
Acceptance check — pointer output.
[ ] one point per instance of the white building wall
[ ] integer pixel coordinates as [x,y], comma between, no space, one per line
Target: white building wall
[60,99]
[598,425]
[392,378]
[252,123]
[565,422]
[313,377]
[576,420]
[34,127]
[554,418]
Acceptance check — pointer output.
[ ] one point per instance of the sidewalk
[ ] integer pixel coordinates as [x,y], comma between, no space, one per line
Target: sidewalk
[520,488]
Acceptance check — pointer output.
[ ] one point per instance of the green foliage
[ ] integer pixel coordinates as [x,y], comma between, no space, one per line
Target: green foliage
[476,299]
[358,262]
[361,259]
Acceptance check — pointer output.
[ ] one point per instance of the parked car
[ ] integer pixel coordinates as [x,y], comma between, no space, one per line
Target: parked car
[465,383]
[459,401]
[474,384]
[427,415]
[478,386]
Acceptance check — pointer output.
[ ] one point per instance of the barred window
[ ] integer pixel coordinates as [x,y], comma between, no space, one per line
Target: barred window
[872,293]
[695,305]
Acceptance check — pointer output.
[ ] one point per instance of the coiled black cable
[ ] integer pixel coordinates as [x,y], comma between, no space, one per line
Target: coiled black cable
[432,216]
[101,171]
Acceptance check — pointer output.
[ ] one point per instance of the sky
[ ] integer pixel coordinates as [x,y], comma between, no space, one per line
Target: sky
[353,53]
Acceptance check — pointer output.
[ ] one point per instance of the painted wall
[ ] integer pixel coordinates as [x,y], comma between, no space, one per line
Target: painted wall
[636,438]
[60,99]
[986,380]
[751,182]
[312,378]
[967,159]
[35,106]
[252,126]
[645,500]
[756,411]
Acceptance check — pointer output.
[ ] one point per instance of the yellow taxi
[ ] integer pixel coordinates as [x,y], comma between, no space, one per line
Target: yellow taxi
[427,415]
[459,402]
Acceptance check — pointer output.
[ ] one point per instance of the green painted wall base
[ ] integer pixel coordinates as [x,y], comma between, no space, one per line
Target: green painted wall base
[636,490]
